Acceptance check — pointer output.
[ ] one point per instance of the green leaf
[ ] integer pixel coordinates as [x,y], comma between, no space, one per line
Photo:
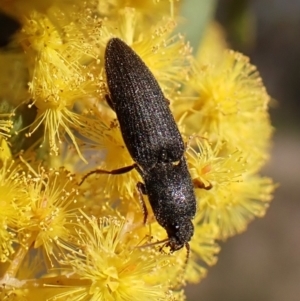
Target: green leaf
[196,15]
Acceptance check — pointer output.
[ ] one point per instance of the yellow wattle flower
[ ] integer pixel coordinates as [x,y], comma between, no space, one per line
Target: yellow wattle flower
[51,208]
[204,251]
[11,200]
[230,105]
[231,208]
[62,72]
[211,164]
[65,241]
[115,268]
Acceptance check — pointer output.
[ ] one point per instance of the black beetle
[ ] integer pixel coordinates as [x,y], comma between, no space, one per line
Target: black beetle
[153,141]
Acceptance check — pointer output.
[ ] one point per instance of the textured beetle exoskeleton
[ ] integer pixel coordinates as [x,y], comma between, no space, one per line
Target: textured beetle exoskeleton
[147,124]
[153,141]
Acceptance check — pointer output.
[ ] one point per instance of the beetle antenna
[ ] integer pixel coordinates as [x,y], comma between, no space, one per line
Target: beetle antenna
[154,244]
[181,280]
[188,252]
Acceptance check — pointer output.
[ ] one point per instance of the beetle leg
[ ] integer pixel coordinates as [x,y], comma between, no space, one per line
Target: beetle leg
[118,171]
[142,190]
[199,184]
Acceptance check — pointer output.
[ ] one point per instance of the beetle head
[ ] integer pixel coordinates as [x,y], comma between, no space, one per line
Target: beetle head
[179,233]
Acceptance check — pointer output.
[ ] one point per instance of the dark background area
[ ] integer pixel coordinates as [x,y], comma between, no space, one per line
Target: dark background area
[7,28]
[262,264]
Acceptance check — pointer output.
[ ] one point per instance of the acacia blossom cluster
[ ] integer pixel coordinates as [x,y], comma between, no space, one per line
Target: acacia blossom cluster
[62,241]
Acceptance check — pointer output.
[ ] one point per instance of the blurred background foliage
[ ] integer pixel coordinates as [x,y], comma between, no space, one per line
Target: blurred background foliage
[264,263]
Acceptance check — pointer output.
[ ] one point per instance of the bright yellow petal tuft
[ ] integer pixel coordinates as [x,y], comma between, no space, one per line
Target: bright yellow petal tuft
[204,251]
[210,165]
[51,206]
[12,204]
[115,268]
[231,208]
[62,71]
[231,105]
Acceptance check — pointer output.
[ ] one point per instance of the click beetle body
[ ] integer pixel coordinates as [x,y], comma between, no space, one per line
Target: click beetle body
[147,124]
[153,141]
